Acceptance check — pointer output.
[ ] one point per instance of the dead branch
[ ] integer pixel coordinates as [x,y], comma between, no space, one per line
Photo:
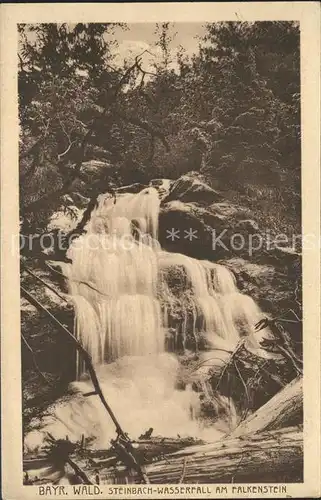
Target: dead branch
[273,377]
[127,454]
[71,143]
[243,383]
[125,78]
[81,350]
[34,361]
[281,342]
[228,363]
[269,456]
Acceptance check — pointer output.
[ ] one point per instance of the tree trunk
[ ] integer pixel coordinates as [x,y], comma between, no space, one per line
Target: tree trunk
[275,456]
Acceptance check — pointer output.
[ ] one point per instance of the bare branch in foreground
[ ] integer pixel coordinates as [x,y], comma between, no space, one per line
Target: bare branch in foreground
[25,268]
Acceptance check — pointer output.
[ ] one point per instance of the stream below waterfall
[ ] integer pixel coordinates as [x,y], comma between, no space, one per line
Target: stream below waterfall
[127,313]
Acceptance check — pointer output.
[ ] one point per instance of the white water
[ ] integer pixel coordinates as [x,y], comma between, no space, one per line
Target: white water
[122,317]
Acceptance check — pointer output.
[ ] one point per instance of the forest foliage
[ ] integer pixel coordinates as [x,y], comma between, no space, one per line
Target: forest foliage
[230,112]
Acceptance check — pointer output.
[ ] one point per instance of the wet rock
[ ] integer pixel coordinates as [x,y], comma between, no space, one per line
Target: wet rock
[265,283]
[203,232]
[287,255]
[182,229]
[227,211]
[80,201]
[175,277]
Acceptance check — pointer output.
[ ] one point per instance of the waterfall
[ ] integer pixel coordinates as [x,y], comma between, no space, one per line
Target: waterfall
[118,258]
[120,285]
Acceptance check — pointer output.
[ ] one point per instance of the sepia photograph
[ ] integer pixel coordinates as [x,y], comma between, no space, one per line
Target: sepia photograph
[161,246]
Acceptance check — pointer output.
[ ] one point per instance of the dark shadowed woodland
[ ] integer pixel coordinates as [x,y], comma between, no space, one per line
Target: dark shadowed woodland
[216,137]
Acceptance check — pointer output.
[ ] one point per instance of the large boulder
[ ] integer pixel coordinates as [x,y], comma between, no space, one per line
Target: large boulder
[195,221]
[182,229]
[204,232]
[209,227]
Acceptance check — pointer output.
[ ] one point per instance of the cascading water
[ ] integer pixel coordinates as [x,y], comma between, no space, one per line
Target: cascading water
[124,315]
[123,304]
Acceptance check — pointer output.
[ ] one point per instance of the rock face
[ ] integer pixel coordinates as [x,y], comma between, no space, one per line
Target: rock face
[206,232]
[189,188]
[216,230]
[265,283]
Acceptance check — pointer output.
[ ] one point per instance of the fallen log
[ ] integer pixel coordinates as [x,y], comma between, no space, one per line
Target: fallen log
[105,461]
[274,456]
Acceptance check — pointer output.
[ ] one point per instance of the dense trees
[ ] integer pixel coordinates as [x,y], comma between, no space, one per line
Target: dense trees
[231,111]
